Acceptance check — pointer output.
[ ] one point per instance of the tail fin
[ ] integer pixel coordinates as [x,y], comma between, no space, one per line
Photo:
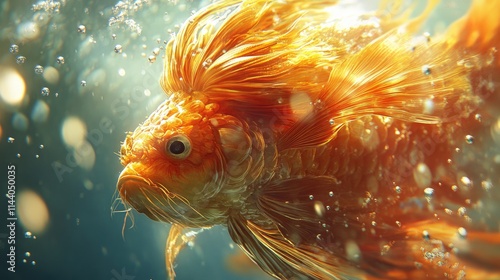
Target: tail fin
[479,29]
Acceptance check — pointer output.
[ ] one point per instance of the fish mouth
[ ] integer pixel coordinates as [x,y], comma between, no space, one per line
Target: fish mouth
[132,187]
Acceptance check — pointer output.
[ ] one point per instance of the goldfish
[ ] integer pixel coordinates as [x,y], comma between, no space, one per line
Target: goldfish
[329,145]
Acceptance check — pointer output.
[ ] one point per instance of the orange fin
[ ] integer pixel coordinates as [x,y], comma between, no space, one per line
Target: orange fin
[281,259]
[426,83]
[176,241]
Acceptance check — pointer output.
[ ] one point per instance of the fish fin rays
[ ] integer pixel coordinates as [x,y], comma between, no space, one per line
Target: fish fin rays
[281,259]
[426,83]
[177,239]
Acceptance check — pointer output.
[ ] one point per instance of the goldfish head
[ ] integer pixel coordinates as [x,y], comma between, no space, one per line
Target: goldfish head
[188,164]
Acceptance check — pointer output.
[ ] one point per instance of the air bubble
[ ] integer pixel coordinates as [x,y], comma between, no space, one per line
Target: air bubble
[113,36]
[18,155]
[60,60]
[39,69]
[461,211]
[152,59]
[45,91]
[14,48]
[81,28]
[469,139]
[487,185]
[426,69]
[118,48]
[397,189]
[462,232]
[311,197]
[478,117]
[28,234]
[20,59]
[10,140]
[330,194]
[331,121]
[466,182]
[429,191]
[426,235]
[156,51]
[207,63]
[398,223]
[27,254]
[83,83]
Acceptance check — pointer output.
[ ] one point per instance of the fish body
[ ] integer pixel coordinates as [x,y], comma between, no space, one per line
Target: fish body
[328,146]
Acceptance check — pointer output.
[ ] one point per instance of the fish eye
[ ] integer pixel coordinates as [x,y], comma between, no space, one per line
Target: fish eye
[178,147]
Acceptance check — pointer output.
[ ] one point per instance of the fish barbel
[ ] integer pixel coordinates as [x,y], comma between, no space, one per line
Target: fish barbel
[329,146]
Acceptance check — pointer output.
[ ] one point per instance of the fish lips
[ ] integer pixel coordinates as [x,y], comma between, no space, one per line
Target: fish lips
[129,186]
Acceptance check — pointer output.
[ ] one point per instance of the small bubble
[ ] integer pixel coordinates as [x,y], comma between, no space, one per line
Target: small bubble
[426,235]
[18,155]
[10,140]
[33,263]
[331,121]
[39,69]
[311,197]
[397,189]
[454,188]
[330,194]
[462,232]
[60,60]
[83,83]
[77,221]
[20,59]
[327,207]
[41,147]
[426,69]
[469,139]
[478,117]
[466,182]
[398,223]
[152,58]
[113,36]
[27,254]
[28,234]
[429,191]
[24,261]
[118,48]
[427,36]
[374,223]
[37,156]
[207,63]
[156,51]
[14,48]
[487,185]
[461,211]
[81,28]
[45,91]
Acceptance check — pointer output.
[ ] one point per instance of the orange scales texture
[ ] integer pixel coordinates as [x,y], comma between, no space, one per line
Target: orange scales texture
[330,152]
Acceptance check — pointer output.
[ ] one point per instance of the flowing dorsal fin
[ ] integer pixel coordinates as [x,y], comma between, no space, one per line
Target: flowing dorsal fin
[426,83]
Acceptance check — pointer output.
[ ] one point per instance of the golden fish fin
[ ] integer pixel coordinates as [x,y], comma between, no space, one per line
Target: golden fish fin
[426,83]
[176,241]
[262,255]
[281,259]
[479,29]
